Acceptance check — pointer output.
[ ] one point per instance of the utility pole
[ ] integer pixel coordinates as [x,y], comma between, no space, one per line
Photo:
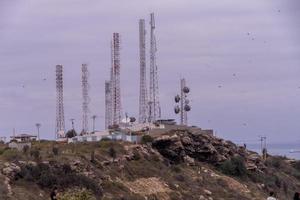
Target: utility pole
[72,121]
[263,146]
[38,125]
[94,119]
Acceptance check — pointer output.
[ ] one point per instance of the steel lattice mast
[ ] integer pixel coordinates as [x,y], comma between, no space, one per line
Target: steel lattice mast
[85,98]
[115,81]
[60,118]
[108,110]
[154,105]
[143,102]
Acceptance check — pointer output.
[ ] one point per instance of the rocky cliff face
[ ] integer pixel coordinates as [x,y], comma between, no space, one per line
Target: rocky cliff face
[178,165]
[189,145]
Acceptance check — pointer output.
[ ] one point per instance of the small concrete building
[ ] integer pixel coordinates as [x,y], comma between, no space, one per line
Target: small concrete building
[20,141]
[97,136]
[24,138]
[19,145]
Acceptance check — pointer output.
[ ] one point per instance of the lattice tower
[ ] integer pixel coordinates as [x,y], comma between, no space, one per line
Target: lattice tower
[60,118]
[143,102]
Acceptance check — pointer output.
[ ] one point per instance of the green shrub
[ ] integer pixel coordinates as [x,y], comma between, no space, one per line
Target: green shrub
[270,181]
[275,161]
[35,153]
[234,167]
[71,133]
[55,150]
[77,195]
[112,152]
[296,165]
[61,176]
[26,149]
[105,140]
[146,139]
[2,151]
[176,168]
[11,154]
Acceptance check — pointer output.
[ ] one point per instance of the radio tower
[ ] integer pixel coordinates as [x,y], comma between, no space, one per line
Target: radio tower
[154,105]
[60,118]
[108,110]
[115,80]
[143,105]
[85,98]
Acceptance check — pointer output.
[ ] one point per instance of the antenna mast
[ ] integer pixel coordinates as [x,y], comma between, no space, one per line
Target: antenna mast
[85,98]
[60,118]
[108,110]
[143,105]
[115,80]
[183,102]
[154,105]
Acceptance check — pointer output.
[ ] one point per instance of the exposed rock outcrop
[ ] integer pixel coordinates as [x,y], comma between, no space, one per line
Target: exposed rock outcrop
[189,145]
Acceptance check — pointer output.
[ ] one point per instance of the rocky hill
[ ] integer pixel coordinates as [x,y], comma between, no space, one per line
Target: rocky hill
[179,164]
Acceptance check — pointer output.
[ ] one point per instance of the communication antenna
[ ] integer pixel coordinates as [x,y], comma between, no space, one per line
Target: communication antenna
[108,105]
[143,104]
[115,80]
[182,106]
[85,98]
[154,105]
[72,122]
[60,115]
[38,126]
[94,120]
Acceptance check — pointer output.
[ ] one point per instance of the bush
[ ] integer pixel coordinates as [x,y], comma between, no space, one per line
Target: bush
[112,152]
[77,195]
[55,150]
[11,154]
[234,167]
[276,162]
[105,139]
[2,150]
[61,176]
[272,181]
[26,149]
[146,139]
[296,165]
[71,133]
[35,153]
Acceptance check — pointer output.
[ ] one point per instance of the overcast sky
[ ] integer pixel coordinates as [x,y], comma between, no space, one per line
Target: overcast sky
[241,59]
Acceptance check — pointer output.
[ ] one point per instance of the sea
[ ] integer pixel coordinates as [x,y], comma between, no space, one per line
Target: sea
[290,150]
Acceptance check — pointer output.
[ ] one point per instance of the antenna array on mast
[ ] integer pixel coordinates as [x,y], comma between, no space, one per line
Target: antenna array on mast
[154,105]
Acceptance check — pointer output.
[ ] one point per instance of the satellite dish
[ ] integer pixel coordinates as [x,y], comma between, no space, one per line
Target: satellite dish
[176,109]
[187,108]
[132,119]
[177,98]
[186,90]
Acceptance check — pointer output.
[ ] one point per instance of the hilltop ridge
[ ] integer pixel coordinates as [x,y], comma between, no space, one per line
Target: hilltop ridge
[183,163]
